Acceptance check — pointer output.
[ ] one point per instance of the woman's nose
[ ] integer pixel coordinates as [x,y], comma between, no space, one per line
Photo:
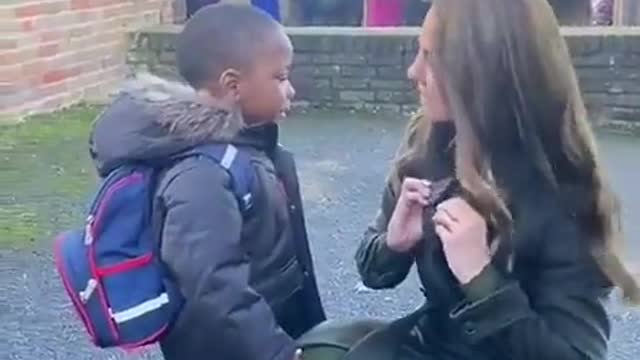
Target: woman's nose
[411,71]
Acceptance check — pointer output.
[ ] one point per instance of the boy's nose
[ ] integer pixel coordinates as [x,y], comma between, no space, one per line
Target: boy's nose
[291,92]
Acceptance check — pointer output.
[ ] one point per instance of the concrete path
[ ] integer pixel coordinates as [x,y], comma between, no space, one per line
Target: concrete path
[343,161]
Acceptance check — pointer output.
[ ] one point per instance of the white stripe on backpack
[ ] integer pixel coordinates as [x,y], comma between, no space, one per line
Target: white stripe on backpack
[140,309]
[228,157]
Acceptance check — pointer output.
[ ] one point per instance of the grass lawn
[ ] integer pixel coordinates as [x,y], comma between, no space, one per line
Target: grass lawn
[45,175]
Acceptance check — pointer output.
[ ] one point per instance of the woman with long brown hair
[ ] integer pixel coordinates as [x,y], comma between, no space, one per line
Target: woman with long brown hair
[498,194]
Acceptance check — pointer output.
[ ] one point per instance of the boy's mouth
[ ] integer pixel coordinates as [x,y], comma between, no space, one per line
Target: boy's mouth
[285,110]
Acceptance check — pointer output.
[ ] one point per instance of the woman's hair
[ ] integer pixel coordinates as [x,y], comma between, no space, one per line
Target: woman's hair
[507,75]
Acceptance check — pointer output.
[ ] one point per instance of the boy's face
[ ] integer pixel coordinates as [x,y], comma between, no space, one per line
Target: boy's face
[264,91]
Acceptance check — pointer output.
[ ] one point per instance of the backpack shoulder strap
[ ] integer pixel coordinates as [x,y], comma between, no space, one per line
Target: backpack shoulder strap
[237,163]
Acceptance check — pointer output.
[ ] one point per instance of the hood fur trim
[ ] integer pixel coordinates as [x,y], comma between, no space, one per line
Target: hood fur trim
[182,111]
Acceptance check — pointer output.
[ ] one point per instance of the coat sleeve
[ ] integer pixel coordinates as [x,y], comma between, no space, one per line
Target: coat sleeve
[201,246]
[379,266]
[560,316]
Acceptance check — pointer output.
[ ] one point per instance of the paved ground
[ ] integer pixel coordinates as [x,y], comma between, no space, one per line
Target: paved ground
[343,161]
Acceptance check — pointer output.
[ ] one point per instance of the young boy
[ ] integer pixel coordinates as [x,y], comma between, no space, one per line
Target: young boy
[248,280]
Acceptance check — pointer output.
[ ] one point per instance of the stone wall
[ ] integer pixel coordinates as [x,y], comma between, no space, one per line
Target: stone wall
[365,69]
[57,52]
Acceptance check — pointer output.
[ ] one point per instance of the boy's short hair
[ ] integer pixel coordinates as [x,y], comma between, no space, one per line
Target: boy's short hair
[219,37]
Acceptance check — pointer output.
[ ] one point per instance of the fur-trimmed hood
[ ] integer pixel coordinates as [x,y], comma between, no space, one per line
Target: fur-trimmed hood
[152,118]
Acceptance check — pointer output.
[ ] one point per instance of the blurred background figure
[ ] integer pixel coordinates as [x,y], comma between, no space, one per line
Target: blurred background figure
[391,13]
[572,12]
[195,5]
[270,6]
[602,12]
[328,12]
[383,13]
[415,10]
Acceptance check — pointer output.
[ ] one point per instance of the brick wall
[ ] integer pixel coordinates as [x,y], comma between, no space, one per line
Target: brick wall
[365,69]
[56,52]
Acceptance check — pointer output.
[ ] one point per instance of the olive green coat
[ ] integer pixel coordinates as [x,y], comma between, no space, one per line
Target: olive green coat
[546,304]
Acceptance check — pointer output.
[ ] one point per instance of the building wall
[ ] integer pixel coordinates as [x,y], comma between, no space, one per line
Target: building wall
[627,12]
[57,52]
[365,69]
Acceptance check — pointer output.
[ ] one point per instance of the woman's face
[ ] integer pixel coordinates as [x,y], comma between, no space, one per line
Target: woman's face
[432,99]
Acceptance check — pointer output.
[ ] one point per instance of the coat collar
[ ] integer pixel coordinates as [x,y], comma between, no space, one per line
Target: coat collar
[262,137]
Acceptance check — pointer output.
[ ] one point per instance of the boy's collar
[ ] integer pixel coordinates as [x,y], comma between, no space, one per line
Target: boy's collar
[263,137]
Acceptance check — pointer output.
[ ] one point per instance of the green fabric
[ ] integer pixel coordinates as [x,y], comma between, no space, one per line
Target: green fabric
[483,285]
[340,334]
[323,353]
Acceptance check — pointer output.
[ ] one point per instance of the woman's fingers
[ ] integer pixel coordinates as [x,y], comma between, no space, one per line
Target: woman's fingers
[442,231]
[416,184]
[423,187]
[444,219]
[447,212]
[415,197]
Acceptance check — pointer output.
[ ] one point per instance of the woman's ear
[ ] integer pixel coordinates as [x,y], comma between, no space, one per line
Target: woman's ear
[229,82]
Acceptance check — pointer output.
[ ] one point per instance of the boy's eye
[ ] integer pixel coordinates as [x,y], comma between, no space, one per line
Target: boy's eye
[282,77]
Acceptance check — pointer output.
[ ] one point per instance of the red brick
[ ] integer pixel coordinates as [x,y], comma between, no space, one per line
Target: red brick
[151,5]
[87,16]
[37,9]
[80,4]
[55,22]
[8,44]
[53,89]
[30,10]
[54,35]
[27,25]
[54,76]
[89,4]
[112,2]
[8,58]
[74,70]
[17,56]
[34,68]
[97,38]
[125,9]
[81,31]
[47,50]
[10,74]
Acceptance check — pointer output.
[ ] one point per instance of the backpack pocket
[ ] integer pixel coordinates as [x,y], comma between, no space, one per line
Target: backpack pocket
[72,263]
[143,312]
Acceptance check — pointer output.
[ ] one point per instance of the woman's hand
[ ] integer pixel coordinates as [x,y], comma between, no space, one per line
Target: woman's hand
[405,226]
[463,232]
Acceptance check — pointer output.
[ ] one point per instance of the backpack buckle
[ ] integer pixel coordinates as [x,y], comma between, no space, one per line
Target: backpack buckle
[88,230]
[85,294]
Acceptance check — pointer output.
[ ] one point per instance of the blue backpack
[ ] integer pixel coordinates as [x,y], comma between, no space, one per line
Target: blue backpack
[111,268]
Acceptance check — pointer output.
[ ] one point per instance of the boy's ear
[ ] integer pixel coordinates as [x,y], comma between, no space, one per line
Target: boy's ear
[229,81]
